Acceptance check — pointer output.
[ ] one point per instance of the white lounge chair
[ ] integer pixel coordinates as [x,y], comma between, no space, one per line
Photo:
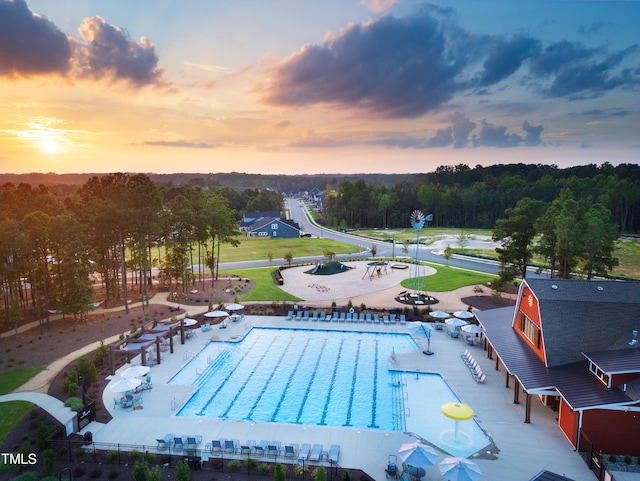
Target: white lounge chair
[316,452]
[165,443]
[334,453]
[305,449]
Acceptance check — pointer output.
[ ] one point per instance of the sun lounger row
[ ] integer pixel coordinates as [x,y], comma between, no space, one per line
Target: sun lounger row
[474,367]
[272,449]
[187,443]
[346,317]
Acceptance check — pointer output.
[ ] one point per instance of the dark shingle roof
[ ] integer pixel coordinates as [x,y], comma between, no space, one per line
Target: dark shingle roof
[620,361]
[583,316]
[580,388]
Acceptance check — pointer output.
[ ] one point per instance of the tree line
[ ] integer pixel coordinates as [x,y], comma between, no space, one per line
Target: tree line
[460,196]
[115,226]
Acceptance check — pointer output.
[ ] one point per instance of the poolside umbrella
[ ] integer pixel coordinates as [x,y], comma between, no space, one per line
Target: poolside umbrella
[417,455]
[234,307]
[455,322]
[439,314]
[464,314]
[216,314]
[135,371]
[188,322]
[472,329]
[421,330]
[124,385]
[459,469]
[458,412]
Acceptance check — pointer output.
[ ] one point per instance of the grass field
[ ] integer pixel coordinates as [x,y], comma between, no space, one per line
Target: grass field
[446,279]
[11,380]
[11,412]
[265,289]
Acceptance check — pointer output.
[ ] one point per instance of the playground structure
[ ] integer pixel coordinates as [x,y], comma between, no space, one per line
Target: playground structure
[376,269]
[327,269]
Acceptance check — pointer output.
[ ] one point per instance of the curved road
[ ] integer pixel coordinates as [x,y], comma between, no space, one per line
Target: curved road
[299,214]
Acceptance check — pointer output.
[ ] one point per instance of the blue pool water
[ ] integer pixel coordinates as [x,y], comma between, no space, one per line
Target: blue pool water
[306,376]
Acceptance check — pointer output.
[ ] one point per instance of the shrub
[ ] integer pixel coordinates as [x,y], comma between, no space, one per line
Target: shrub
[49,462]
[140,470]
[345,476]
[42,434]
[628,460]
[112,455]
[280,474]
[154,474]
[93,373]
[113,475]
[613,458]
[83,366]
[95,474]
[234,465]
[252,463]
[134,455]
[264,468]
[320,474]
[74,403]
[182,470]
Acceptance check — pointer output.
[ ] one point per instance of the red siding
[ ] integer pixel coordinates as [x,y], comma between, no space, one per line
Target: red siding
[620,379]
[568,421]
[613,432]
[529,306]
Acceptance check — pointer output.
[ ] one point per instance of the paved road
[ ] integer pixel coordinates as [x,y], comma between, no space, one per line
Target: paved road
[386,249]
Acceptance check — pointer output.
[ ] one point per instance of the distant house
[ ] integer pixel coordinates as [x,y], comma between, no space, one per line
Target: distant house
[574,345]
[249,218]
[274,228]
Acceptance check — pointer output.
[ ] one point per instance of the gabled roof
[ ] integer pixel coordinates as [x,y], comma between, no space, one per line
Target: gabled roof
[262,222]
[579,388]
[585,316]
[620,361]
[257,215]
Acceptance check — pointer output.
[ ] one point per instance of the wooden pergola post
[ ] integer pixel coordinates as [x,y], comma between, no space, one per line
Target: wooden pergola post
[527,409]
[516,392]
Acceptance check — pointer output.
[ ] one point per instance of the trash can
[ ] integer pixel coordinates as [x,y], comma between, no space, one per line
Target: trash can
[88,438]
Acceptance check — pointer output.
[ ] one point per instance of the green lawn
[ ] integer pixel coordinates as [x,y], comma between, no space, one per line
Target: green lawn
[447,279]
[11,412]
[265,289]
[258,248]
[11,380]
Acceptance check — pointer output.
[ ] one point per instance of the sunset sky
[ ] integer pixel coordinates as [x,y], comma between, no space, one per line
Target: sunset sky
[306,86]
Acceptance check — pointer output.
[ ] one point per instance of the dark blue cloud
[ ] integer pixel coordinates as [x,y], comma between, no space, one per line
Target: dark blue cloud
[495,136]
[532,134]
[110,53]
[573,71]
[29,44]
[405,67]
[392,67]
[506,57]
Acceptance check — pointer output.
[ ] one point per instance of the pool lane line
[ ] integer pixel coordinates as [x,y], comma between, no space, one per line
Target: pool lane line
[231,373]
[331,385]
[354,378]
[374,401]
[251,374]
[310,382]
[265,384]
[286,387]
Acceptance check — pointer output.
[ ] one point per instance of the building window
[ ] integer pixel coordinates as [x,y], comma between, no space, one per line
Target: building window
[274,226]
[530,330]
[604,378]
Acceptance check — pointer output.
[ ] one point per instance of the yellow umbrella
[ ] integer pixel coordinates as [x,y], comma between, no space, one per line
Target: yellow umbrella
[458,412]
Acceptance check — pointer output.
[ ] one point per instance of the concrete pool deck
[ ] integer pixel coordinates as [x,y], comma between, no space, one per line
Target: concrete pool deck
[520,450]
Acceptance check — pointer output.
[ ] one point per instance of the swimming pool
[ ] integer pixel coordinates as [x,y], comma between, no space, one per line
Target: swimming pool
[323,377]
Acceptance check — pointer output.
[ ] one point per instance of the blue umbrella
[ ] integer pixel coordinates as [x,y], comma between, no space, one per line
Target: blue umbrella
[421,330]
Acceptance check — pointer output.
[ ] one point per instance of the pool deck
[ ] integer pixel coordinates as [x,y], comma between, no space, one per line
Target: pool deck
[519,452]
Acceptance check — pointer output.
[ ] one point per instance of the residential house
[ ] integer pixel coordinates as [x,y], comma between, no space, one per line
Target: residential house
[274,228]
[249,218]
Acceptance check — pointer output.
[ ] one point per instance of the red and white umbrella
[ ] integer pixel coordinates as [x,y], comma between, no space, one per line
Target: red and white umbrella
[459,469]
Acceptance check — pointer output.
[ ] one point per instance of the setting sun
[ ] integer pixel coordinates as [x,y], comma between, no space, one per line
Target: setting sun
[49,146]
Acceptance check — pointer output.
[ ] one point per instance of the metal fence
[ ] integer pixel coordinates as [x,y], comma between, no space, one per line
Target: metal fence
[86,451]
[594,460]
